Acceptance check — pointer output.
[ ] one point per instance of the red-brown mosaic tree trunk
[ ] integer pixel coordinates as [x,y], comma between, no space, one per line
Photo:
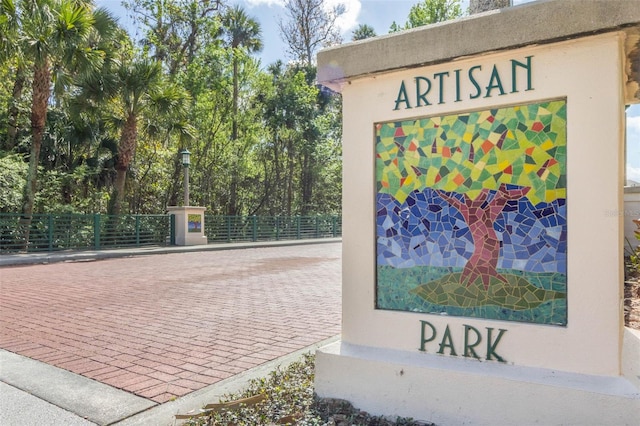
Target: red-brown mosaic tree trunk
[480,215]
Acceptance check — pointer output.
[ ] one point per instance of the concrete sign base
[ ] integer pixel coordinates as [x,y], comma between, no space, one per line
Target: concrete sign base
[189,222]
[448,391]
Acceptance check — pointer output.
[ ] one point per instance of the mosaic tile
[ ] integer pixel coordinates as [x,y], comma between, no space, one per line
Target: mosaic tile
[471,214]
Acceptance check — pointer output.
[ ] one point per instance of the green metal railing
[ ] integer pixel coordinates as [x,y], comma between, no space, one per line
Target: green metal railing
[54,232]
[270,228]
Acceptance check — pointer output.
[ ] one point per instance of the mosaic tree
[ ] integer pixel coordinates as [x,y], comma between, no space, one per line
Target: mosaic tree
[478,162]
[481,214]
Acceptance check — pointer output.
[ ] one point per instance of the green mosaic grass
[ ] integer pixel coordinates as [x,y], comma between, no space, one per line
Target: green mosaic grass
[542,300]
[516,294]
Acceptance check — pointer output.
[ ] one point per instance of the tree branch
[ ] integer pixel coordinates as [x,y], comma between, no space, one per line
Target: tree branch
[451,200]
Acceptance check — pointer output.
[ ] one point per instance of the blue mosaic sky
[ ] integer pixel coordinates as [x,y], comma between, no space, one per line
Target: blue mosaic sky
[427,230]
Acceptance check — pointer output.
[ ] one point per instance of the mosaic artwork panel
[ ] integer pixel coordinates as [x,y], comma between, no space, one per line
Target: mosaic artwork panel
[194,223]
[471,214]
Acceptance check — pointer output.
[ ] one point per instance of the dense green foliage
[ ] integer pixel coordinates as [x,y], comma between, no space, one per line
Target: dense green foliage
[362,32]
[92,121]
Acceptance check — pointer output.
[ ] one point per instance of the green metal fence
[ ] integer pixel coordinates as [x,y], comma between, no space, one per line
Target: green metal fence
[270,228]
[54,232]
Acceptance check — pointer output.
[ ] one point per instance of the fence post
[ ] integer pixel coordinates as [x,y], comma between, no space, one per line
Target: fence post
[137,231]
[334,226]
[50,231]
[96,231]
[317,226]
[172,229]
[277,228]
[254,228]
[228,219]
[297,227]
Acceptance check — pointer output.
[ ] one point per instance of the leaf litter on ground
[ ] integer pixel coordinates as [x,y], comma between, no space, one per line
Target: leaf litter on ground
[286,397]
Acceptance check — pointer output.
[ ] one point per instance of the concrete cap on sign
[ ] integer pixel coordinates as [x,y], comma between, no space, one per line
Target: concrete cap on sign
[540,22]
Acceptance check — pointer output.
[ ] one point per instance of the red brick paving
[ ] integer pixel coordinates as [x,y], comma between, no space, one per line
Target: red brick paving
[163,326]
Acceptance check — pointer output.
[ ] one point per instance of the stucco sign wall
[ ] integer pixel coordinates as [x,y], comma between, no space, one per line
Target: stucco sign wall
[476,255]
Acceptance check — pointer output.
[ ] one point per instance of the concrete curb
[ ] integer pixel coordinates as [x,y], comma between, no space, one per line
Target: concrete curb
[89,399]
[84,256]
[20,408]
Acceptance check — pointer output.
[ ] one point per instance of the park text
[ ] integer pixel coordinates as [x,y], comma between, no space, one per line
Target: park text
[472,341]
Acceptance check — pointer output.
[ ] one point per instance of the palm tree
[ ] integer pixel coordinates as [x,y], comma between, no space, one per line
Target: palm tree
[242,35]
[55,36]
[140,90]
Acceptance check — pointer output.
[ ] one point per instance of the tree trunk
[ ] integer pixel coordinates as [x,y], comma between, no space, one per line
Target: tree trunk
[174,194]
[278,181]
[234,119]
[41,91]
[483,262]
[126,151]
[479,6]
[290,177]
[12,110]
[232,208]
[480,214]
[307,182]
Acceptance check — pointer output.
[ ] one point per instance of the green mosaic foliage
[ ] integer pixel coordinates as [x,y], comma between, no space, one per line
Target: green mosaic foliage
[466,153]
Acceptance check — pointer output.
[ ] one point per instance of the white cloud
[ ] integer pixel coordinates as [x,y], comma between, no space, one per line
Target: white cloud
[633,141]
[633,124]
[633,110]
[633,173]
[349,19]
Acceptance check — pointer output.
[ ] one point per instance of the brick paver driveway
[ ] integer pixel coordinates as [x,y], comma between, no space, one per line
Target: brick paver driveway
[162,326]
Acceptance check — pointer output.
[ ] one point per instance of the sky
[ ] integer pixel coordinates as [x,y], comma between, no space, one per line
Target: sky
[379,14]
